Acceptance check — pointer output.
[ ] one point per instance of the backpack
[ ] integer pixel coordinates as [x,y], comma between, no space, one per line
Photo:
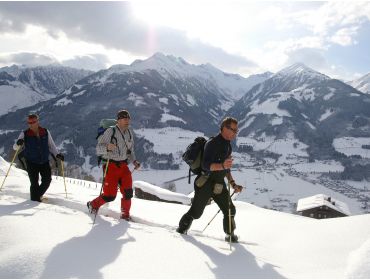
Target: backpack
[193,156]
[103,126]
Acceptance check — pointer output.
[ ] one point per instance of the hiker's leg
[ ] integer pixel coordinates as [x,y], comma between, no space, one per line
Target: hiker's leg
[222,201]
[45,172]
[200,200]
[126,191]
[109,186]
[33,175]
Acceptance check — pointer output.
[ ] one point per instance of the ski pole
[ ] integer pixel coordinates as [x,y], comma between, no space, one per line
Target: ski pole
[215,215]
[102,184]
[64,178]
[16,152]
[229,199]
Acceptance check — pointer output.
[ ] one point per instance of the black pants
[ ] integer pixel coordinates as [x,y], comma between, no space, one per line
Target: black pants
[33,170]
[200,200]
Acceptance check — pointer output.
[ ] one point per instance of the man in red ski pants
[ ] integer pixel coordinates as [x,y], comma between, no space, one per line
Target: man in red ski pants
[117,145]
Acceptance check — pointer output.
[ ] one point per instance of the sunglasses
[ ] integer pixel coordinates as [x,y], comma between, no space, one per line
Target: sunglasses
[32,122]
[233,129]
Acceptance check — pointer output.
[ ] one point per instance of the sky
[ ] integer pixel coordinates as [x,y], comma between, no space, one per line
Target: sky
[245,37]
[57,239]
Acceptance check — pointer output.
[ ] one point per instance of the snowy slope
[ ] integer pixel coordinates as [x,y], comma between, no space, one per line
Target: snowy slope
[362,84]
[22,86]
[57,240]
[16,95]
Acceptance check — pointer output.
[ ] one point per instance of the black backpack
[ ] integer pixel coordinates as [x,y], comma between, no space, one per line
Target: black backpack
[193,156]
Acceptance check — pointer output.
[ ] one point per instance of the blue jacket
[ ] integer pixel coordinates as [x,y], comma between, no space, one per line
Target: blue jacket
[36,148]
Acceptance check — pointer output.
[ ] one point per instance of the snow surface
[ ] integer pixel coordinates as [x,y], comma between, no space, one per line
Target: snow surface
[352,146]
[57,239]
[169,139]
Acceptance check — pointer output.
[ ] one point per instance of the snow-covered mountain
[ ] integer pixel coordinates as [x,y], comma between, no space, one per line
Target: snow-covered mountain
[362,84]
[57,239]
[305,105]
[233,86]
[22,86]
[162,91]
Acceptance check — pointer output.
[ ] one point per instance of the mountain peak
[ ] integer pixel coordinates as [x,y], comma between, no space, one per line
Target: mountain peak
[301,70]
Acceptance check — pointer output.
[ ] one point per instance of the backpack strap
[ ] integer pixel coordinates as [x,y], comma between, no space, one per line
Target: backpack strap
[113,135]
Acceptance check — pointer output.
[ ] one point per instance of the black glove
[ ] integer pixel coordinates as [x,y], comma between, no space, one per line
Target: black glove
[20,142]
[60,156]
[137,164]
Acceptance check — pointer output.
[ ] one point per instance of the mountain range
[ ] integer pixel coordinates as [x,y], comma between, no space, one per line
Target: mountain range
[163,91]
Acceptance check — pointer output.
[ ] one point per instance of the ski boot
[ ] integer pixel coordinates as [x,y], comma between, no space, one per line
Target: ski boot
[231,238]
[126,217]
[90,208]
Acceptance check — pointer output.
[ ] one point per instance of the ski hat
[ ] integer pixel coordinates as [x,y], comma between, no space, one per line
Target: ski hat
[122,114]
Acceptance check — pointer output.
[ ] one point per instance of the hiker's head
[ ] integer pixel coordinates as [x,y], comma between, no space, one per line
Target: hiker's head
[229,128]
[123,114]
[33,120]
[123,118]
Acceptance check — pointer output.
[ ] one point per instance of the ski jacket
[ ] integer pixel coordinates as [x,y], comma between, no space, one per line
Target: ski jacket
[37,148]
[216,150]
[124,141]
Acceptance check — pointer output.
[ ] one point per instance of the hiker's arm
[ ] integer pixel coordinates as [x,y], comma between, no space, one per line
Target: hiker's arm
[207,157]
[21,136]
[237,188]
[52,148]
[103,141]
[133,155]
[209,163]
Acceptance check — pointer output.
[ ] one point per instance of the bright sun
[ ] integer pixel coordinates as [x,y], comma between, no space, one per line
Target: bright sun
[176,14]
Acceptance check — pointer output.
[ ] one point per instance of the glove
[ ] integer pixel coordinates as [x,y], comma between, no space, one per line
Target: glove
[137,164]
[20,142]
[60,156]
[237,188]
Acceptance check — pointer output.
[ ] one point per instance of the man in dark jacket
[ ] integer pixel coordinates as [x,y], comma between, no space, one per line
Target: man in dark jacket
[216,163]
[38,145]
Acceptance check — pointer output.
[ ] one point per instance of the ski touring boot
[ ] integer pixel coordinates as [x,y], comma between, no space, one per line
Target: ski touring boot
[90,208]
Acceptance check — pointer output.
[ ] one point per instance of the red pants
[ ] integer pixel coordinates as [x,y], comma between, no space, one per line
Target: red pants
[117,175]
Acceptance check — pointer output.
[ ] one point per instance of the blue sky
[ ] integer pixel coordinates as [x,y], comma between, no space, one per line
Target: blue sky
[244,37]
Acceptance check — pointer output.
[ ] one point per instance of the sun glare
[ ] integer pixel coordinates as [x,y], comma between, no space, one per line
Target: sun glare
[190,16]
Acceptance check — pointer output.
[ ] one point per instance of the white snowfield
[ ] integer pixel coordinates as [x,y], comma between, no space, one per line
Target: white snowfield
[58,240]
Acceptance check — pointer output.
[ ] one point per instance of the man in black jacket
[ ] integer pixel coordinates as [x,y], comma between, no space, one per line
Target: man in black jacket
[216,164]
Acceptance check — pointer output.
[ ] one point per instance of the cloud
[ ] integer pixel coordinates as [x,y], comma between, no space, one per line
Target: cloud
[313,58]
[344,36]
[113,25]
[25,58]
[334,16]
[92,62]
